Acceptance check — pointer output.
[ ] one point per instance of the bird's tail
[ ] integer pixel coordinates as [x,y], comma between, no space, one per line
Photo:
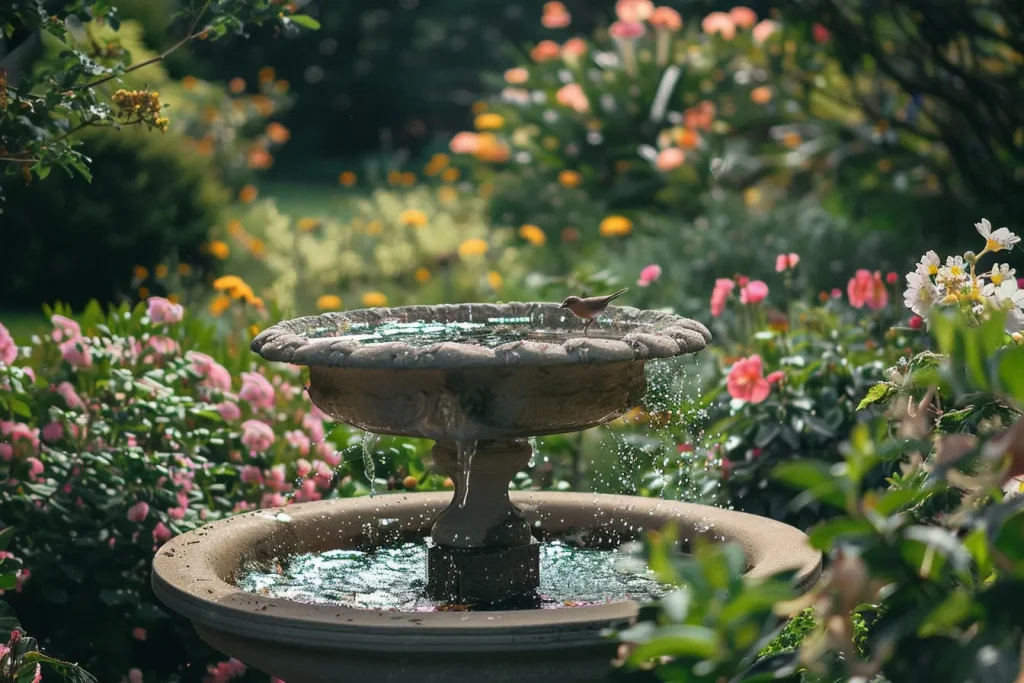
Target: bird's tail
[617,294]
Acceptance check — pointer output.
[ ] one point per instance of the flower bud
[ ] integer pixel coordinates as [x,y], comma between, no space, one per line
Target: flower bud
[971,257]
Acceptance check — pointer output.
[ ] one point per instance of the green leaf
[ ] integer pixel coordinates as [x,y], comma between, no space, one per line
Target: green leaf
[813,477]
[5,537]
[305,21]
[947,614]
[19,408]
[879,392]
[1010,371]
[823,536]
[677,641]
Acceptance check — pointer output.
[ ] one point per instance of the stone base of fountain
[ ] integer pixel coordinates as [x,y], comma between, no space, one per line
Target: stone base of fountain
[470,575]
[193,575]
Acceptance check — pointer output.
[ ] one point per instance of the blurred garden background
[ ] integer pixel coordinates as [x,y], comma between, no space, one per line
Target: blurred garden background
[179,174]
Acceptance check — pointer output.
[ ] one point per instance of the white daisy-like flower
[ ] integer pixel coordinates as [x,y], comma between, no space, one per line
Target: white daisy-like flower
[996,240]
[1001,272]
[920,294]
[953,275]
[929,264]
[1007,295]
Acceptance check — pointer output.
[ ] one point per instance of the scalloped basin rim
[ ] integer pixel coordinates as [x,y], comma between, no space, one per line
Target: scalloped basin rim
[191,572]
[634,335]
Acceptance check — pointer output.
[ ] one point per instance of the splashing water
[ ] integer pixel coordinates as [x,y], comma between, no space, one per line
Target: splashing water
[369,466]
[465,450]
[394,578]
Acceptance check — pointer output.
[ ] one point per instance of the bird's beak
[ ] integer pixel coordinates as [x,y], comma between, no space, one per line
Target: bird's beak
[563,305]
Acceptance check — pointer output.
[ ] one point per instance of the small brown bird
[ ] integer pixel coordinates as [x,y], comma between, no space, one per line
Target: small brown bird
[589,308]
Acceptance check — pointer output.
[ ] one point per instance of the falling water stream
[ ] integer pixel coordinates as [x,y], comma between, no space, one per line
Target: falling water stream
[369,466]
[465,449]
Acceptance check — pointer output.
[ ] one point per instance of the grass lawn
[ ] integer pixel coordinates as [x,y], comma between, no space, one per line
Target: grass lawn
[23,324]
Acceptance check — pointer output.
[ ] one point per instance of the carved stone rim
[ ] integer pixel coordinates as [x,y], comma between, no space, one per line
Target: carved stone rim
[627,334]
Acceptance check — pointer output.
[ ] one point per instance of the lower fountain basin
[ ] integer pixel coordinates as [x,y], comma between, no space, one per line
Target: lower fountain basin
[302,643]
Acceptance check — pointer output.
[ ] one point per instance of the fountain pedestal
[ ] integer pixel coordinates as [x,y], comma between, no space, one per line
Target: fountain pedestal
[482,549]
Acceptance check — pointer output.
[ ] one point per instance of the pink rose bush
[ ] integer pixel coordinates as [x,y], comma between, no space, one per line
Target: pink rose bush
[113,440]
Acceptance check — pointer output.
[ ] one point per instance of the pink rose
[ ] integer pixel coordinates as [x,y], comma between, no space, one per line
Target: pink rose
[67,392]
[776,376]
[213,374]
[250,474]
[8,349]
[161,534]
[139,633]
[76,352]
[326,451]
[626,30]
[634,10]
[53,431]
[764,30]
[257,436]
[649,274]
[35,468]
[465,142]
[669,159]
[303,467]
[720,295]
[307,492]
[299,441]
[785,262]
[746,380]
[313,426]
[571,95]
[164,346]
[867,288]
[160,310]
[137,513]
[719,23]
[273,500]
[754,292]
[66,328]
[257,391]
[228,411]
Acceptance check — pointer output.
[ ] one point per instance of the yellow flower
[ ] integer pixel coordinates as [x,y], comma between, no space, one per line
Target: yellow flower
[160,271]
[489,121]
[570,179]
[394,177]
[472,247]
[257,247]
[450,175]
[479,107]
[413,218]
[219,304]
[219,249]
[308,224]
[328,302]
[173,298]
[254,330]
[140,272]
[184,269]
[616,226]
[447,195]
[532,234]
[752,196]
[248,194]
[408,179]
[422,275]
[436,164]
[375,299]
[374,227]
[232,285]
[347,178]
[792,140]
[235,228]
[267,74]
[143,292]
[495,280]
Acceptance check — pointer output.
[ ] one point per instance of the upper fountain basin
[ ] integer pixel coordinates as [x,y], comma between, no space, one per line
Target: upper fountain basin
[477,371]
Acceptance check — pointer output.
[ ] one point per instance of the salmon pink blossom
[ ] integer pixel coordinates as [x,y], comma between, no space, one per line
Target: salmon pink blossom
[67,392]
[867,288]
[754,292]
[161,310]
[784,262]
[746,380]
[720,294]
[8,349]
[648,275]
[257,436]
[257,391]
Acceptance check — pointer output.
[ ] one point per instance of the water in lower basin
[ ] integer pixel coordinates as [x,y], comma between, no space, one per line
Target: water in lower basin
[394,578]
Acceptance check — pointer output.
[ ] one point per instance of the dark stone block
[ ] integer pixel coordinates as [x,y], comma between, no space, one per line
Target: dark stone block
[483,575]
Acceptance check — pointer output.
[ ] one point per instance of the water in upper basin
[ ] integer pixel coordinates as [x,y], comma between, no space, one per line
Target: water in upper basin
[491,333]
[394,578]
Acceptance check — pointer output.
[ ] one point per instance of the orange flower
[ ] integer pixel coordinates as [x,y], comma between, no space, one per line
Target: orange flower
[143,292]
[259,159]
[670,159]
[555,15]
[374,227]
[236,85]
[545,51]
[792,140]
[375,299]
[447,195]
[422,275]
[743,17]
[219,304]
[264,105]
[533,234]
[570,235]
[328,302]
[761,95]
[472,247]
[465,142]
[489,121]
[173,298]
[235,228]
[491,149]
[160,271]
[700,116]
[517,76]
[615,226]
[573,49]
[450,175]
[184,269]
[570,179]
[140,272]
[719,23]
[282,86]
[278,133]
[407,179]
[494,280]
[347,178]
[257,247]
[667,19]
[248,194]
[204,147]
[308,224]
[394,177]
[189,83]
[219,249]
[267,74]
[687,138]
[478,107]
[413,218]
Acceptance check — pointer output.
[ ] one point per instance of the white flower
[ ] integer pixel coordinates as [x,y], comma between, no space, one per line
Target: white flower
[920,294]
[1000,273]
[998,240]
[1006,294]
[953,275]
[929,264]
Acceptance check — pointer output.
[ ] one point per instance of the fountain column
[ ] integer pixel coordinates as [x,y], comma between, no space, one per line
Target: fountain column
[482,550]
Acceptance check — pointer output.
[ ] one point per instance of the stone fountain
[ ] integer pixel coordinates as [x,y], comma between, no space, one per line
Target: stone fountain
[479,380]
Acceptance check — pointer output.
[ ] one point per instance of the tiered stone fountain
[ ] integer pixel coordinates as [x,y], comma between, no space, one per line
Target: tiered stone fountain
[478,380]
